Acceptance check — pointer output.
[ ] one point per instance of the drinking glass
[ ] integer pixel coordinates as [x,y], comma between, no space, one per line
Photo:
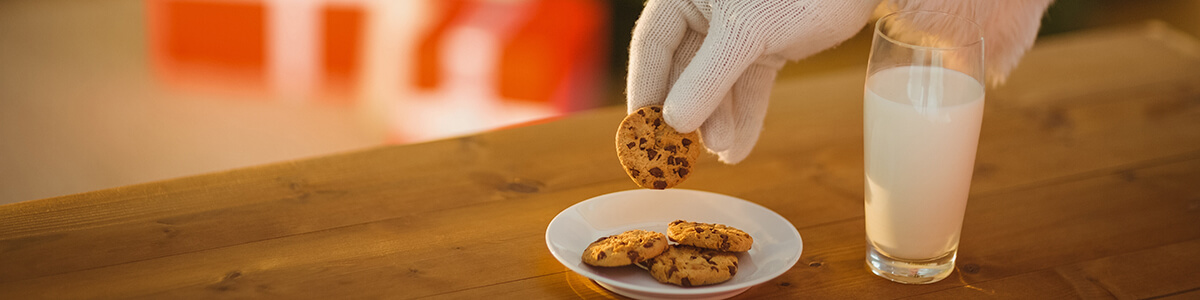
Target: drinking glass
[922,109]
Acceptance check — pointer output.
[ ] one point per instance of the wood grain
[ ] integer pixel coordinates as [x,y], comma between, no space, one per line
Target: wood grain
[1085,186]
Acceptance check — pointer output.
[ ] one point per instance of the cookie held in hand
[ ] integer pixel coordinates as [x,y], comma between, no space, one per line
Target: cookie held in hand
[624,249]
[652,152]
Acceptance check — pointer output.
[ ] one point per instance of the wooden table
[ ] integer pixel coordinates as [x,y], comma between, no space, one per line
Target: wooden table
[1087,184]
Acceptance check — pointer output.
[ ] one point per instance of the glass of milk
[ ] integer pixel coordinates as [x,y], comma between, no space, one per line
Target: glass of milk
[922,108]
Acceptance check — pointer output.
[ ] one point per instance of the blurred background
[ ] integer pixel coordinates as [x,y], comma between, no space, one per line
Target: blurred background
[97,94]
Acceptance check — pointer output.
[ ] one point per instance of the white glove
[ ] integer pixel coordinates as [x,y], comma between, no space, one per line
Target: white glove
[1009,27]
[712,63]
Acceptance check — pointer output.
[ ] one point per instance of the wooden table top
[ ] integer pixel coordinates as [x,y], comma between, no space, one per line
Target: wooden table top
[1087,184]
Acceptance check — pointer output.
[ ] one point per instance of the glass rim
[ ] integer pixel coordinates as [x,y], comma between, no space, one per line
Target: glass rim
[978,30]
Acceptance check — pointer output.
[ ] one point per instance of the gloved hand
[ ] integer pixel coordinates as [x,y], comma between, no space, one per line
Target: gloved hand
[1009,27]
[712,63]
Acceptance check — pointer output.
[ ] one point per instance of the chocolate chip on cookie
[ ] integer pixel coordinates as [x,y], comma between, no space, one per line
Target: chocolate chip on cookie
[624,249]
[691,266]
[652,152]
[711,236]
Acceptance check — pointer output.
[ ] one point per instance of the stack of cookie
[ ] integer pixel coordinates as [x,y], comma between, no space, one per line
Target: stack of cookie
[704,253]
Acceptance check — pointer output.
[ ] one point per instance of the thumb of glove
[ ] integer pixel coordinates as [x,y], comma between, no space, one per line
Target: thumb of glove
[751,96]
[706,80]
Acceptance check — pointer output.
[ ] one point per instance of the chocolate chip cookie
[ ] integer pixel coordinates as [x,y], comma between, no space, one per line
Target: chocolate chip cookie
[624,249]
[690,266]
[711,236]
[652,152]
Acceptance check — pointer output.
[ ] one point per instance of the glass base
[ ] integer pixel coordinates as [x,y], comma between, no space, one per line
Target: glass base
[910,271]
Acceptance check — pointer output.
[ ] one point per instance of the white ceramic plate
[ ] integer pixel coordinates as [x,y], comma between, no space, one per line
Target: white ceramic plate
[776,247]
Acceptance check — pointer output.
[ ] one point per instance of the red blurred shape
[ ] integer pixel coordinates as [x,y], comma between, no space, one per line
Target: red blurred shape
[428,73]
[555,57]
[342,42]
[194,42]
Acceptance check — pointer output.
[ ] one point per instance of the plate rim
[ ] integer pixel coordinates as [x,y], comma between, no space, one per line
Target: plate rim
[691,291]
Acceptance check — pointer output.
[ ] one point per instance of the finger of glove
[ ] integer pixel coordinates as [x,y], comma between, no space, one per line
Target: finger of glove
[1009,31]
[684,53]
[718,130]
[706,80]
[1009,27]
[656,36]
[751,95]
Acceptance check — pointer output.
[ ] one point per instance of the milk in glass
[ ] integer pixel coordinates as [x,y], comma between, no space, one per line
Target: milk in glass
[921,128]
